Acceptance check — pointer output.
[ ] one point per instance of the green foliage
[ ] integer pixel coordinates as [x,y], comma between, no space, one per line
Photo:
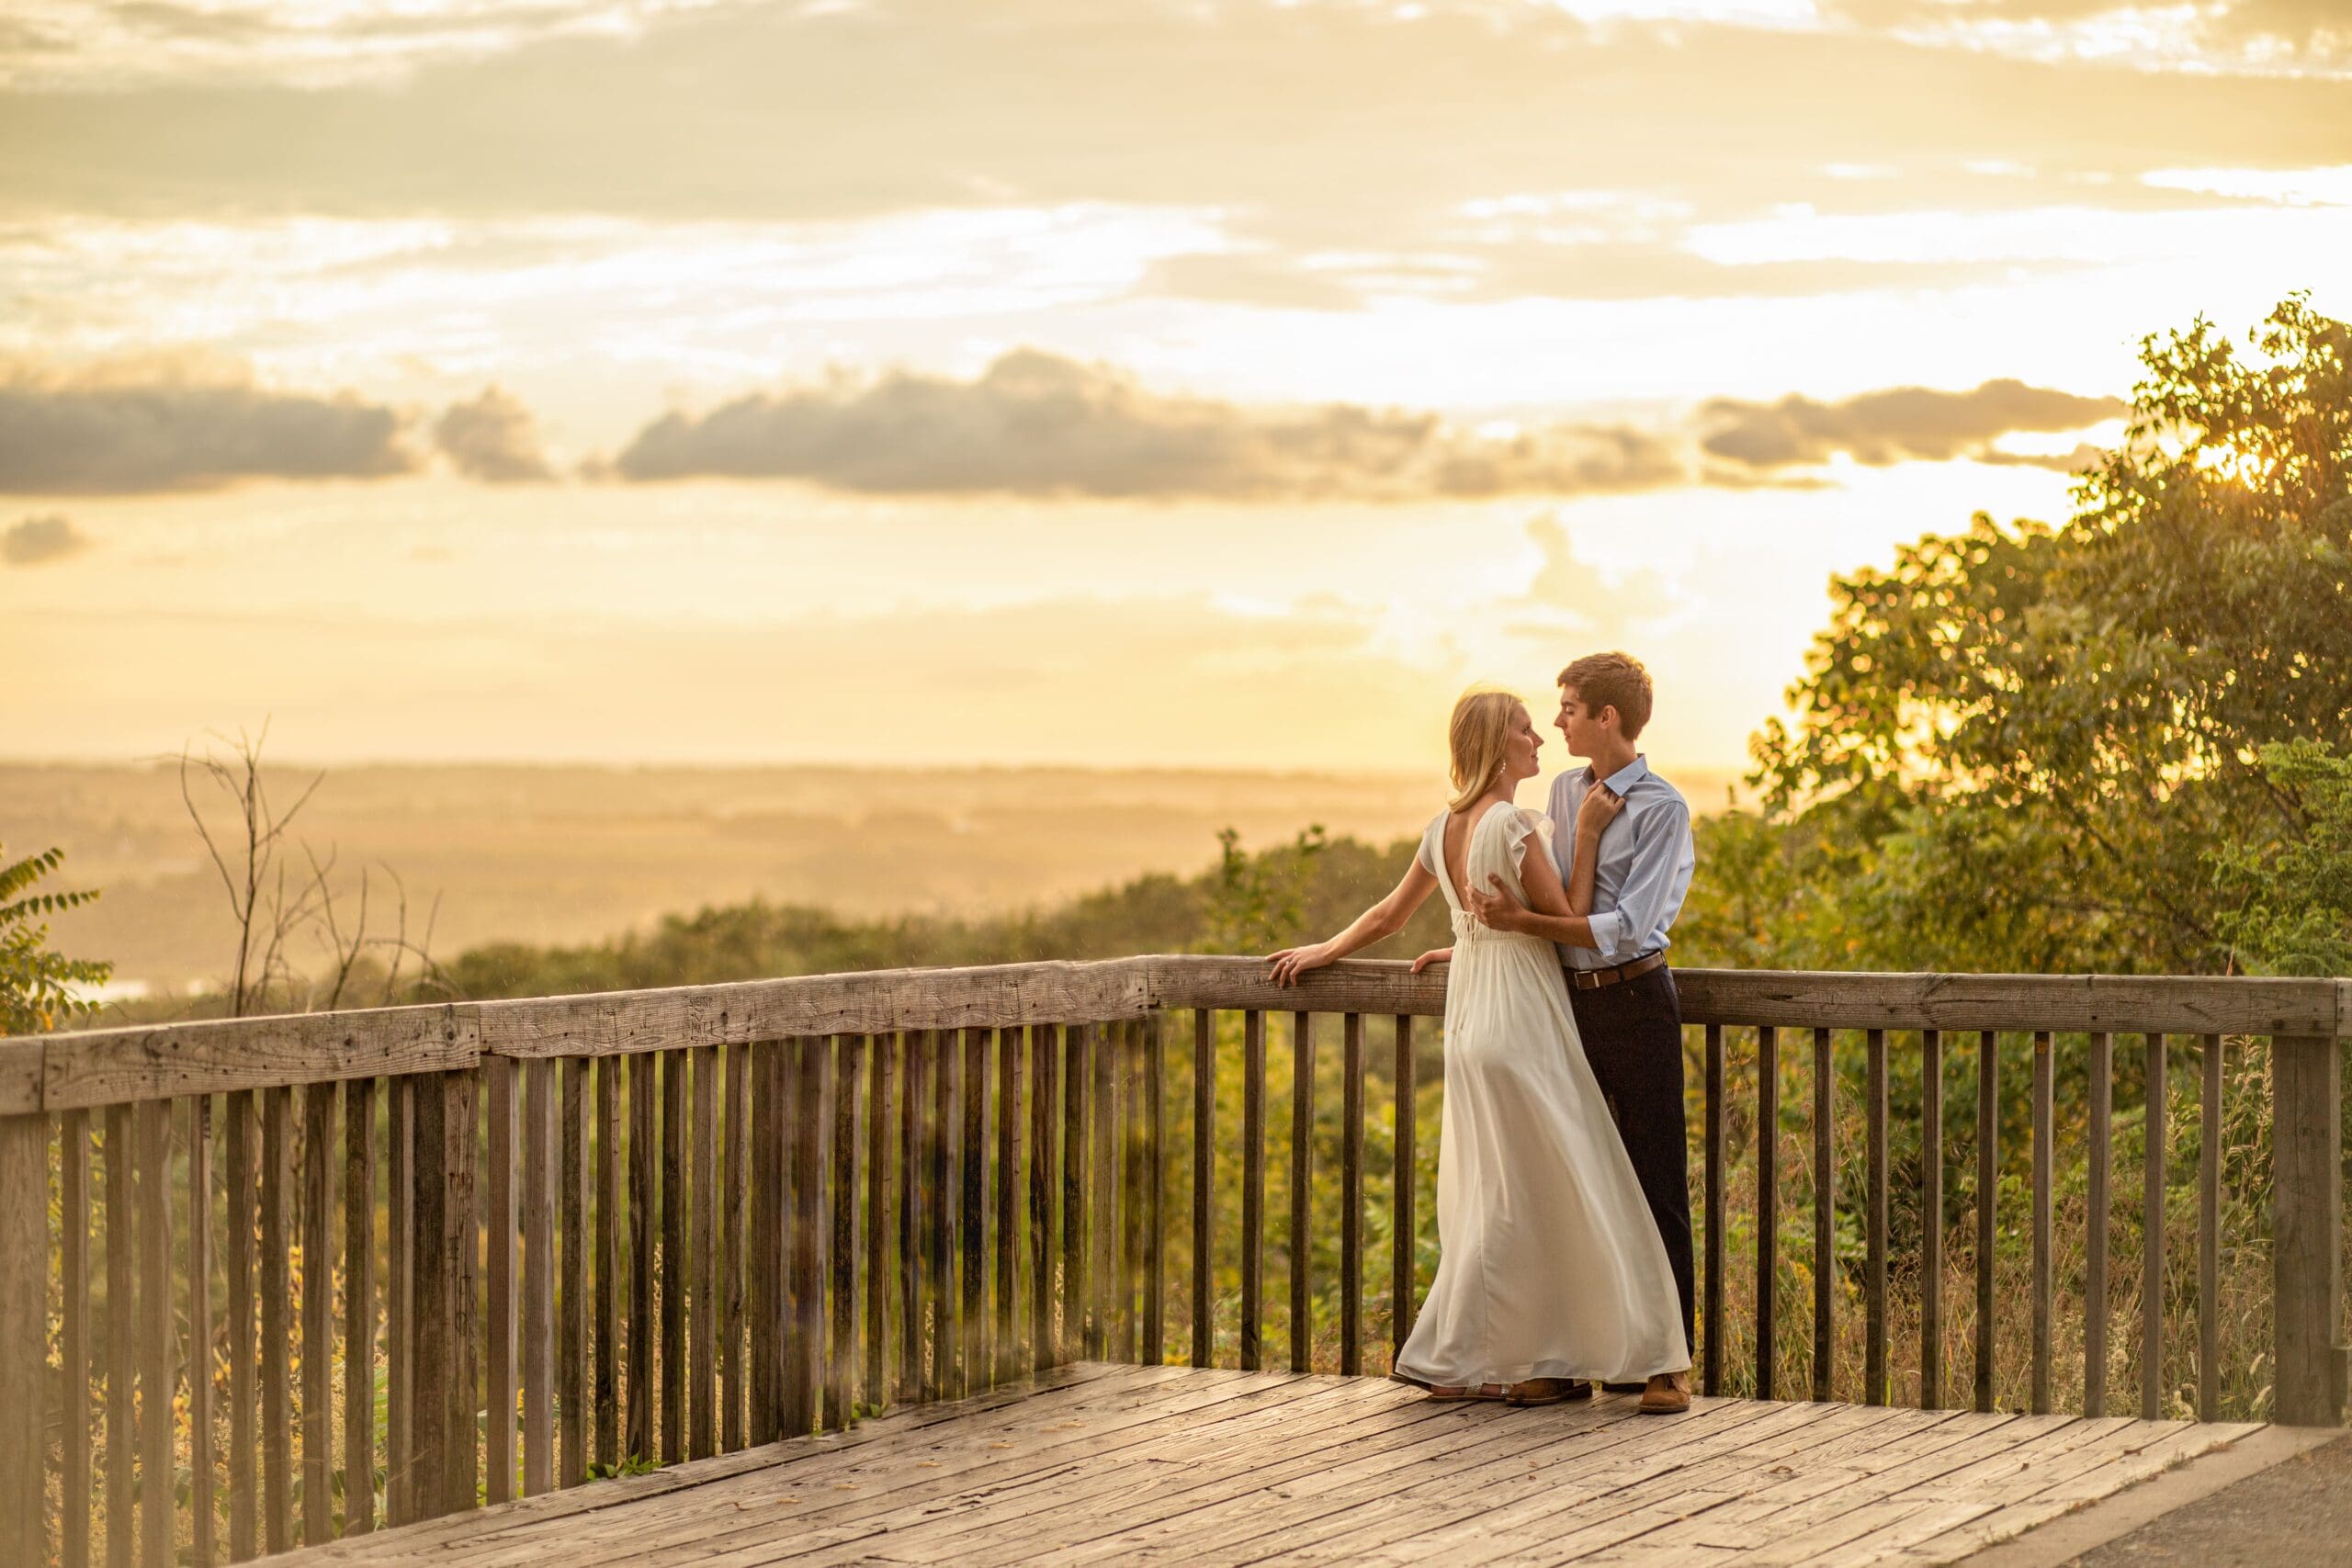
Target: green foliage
[1256,902]
[2287,896]
[36,985]
[2014,748]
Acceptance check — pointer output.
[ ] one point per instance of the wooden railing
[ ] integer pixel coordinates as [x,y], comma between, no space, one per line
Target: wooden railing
[579,1235]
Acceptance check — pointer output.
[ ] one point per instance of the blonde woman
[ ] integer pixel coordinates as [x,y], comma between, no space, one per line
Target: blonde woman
[1551,1273]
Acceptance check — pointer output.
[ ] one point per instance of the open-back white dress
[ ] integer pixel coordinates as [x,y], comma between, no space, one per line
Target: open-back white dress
[1550,1265]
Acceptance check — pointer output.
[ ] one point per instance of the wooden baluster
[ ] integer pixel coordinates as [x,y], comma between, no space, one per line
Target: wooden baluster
[1253,1183]
[572,1333]
[805,1344]
[1402,1302]
[2152,1239]
[1203,1297]
[2208,1236]
[1155,1110]
[702,1297]
[734,1196]
[73,1338]
[609,1262]
[502,1223]
[1044,1175]
[317,1323]
[1351,1196]
[152,1124]
[913,1252]
[1129,1134]
[400,1317]
[460,1239]
[677,1197]
[644,1154]
[1767,1211]
[2101,1091]
[881,1073]
[200,1436]
[1931,1219]
[428,1423]
[1825,1211]
[358,1318]
[1710,1321]
[276,1331]
[1875,1381]
[976,1351]
[122,1317]
[1302,1176]
[941,1188]
[24,1338]
[2044,1158]
[848,1148]
[1007,1254]
[1988,1190]
[763,1283]
[2307,1089]
[1102,1199]
[540,1114]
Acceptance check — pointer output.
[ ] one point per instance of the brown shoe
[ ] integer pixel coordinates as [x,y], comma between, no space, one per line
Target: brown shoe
[1549,1390]
[1668,1393]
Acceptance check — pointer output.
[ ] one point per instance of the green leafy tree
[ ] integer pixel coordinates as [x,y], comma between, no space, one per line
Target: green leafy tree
[37,984]
[2017,746]
[2286,905]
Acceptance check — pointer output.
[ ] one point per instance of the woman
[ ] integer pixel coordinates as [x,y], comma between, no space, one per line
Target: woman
[1551,1272]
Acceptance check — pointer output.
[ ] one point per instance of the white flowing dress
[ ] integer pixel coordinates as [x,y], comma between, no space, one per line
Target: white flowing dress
[1550,1265]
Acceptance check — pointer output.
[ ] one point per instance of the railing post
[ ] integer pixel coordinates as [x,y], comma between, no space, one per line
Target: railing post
[2307,1194]
[24,1337]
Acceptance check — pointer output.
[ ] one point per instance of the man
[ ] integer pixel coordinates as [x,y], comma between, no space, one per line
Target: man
[1619,985]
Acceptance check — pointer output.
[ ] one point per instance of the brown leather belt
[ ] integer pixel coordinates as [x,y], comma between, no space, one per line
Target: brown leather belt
[1594,979]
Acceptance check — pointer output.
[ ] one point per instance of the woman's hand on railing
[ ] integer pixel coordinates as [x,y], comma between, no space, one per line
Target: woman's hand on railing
[1434,955]
[1293,962]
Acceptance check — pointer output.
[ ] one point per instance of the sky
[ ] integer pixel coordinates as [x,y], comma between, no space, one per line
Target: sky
[924,383]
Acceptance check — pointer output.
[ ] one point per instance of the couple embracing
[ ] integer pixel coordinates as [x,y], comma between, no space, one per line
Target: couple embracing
[1563,1232]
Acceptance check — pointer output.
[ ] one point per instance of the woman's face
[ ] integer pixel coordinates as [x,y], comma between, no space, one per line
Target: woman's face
[1522,749]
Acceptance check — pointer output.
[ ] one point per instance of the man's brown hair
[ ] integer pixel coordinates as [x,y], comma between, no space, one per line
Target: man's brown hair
[1613,681]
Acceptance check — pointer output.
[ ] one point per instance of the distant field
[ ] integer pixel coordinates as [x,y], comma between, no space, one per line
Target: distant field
[565,854]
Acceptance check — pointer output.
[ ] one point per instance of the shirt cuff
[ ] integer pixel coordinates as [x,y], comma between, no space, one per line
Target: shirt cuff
[1607,931]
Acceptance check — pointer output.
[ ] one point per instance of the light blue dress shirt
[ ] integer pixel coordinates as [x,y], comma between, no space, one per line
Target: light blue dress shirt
[1643,872]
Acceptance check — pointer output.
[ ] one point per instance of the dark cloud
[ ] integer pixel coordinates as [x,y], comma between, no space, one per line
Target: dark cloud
[493,438]
[1037,425]
[1898,425]
[37,541]
[99,437]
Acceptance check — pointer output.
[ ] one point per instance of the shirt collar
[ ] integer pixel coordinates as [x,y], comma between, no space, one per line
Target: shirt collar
[1622,781]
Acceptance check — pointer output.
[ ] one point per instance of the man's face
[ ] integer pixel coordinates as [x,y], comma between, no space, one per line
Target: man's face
[1581,730]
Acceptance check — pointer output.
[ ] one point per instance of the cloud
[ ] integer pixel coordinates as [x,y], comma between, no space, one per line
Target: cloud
[136,433]
[493,438]
[38,541]
[1905,423]
[1037,424]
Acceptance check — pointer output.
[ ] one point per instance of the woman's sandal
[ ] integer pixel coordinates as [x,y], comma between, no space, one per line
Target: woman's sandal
[1493,1392]
[1548,1390]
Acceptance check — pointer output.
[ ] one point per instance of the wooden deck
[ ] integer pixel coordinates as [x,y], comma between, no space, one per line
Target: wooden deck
[1112,1464]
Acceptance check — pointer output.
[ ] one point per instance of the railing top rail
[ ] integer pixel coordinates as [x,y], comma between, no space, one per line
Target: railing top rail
[107,1067]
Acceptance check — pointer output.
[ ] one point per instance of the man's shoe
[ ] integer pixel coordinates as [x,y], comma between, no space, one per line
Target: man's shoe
[1668,1393]
[1549,1390]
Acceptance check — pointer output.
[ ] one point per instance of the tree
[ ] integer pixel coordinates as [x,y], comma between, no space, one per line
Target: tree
[37,984]
[2020,747]
[2286,905]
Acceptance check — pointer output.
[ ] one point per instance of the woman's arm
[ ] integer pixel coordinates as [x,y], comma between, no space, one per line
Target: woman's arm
[1381,921]
[1600,807]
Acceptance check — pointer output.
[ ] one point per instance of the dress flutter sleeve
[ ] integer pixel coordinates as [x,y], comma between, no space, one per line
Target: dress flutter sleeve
[1525,825]
[1429,856]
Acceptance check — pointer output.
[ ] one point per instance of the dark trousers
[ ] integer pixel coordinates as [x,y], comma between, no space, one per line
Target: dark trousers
[1633,1037]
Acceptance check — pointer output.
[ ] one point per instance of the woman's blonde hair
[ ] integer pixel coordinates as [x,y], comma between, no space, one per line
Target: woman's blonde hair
[1476,736]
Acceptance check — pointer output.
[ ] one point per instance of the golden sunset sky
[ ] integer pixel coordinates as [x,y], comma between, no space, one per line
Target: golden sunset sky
[1097,381]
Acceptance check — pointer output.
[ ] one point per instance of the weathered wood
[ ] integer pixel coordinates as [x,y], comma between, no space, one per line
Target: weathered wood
[22,1067]
[2099,1092]
[1253,1184]
[942,1212]
[608,1265]
[702,1300]
[1203,1292]
[2209,1234]
[358,1319]
[400,1282]
[1102,1194]
[913,1243]
[102,1066]
[2307,1085]
[121,1349]
[644,1154]
[733,1201]
[1006,1256]
[431,1289]
[572,1307]
[871,1002]
[1711,1310]
[1768,1214]
[318,1320]
[2045,1153]
[540,1115]
[1874,1380]
[1045,1298]
[881,1074]
[805,1344]
[1402,1179]
[2152,1237]
[764,1268]
[502,1220]
[24,1338]
[202,1440]
[72,1339]
[276,1325]
[1299,1267]
[848,1184]
[1825,1211]
[676,1258]
[1351,1196]
[1931,1219]
[1128,1143]
[975,1350]
[1989,1189]
[462,1238]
